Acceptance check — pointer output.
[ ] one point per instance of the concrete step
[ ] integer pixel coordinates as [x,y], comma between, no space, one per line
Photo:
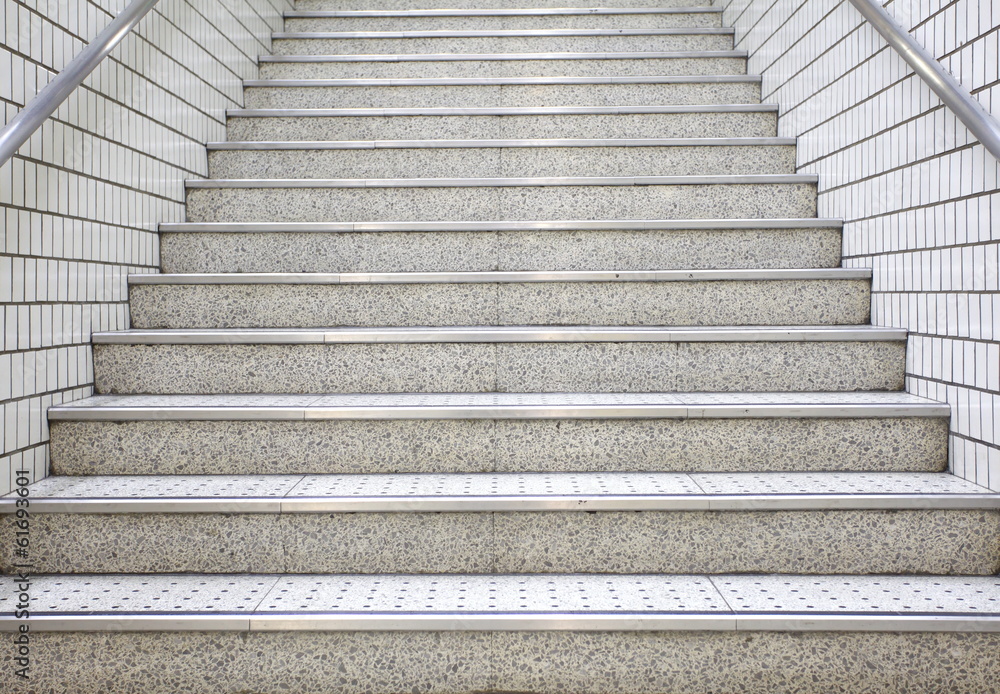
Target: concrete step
[500,19]
[618,298]
[512,246]
[511,360]
[590,632]
[525,123]
[502,65]
[497,432]
[860,523]
[501,158]
[497,92]
[504,199]
[503,41]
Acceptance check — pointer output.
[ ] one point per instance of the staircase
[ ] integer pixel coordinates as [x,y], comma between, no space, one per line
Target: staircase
[504,351]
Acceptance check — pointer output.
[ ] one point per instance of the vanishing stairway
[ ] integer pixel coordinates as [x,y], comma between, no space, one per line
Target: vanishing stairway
[504,351]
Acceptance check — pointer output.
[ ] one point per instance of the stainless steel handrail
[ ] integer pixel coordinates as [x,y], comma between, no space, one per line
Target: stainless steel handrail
[956,97]
[31,117]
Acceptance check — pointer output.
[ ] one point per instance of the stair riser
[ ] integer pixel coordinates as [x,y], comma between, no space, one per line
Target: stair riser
[504,127]
[802,542]
[488,23]
[505,44]
[778,302]
[496,162]
[483,251]
[502,96]
[666,661]
[515,203]
[567,445]
[504,68]
[555,367]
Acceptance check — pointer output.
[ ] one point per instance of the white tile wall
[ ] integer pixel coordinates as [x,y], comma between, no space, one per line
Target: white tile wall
[80,203]
[919,195]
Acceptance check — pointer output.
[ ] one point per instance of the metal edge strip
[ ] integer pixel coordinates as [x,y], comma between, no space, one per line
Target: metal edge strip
[581,181]
[722,621]
[494,336]
[431,112]
[282,83]
[497,277]
[473,12]
[461,57]
[569,225]
[819,502]
[267,145]
[521,412]
[498,33]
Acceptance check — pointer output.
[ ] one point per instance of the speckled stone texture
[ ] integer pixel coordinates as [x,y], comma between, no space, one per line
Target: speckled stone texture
[802,542]
[238,663]
[332,446]
[345,368]
[628,367]
[544,662]
[810,542]
[494,23]
[259,543]
[471,96]
[750,663]
[504,68]
[493,162]
[760,124]
[505,44]
[737,302]
[505,250]
[514,203]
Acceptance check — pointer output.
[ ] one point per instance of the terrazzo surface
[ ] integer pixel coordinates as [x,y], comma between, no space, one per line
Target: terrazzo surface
[481,251]
[705,124]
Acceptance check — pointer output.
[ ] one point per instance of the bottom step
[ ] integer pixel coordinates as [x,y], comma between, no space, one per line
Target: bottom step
[580,633]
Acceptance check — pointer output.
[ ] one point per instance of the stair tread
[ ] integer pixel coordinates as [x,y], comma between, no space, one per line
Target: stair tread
[499,406]
[472,492]
[457,602]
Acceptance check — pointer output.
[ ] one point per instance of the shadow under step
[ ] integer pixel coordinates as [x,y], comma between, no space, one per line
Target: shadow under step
[500,359]
[498,432]
[502,246]
[503,64]
[625,523]
[835,296]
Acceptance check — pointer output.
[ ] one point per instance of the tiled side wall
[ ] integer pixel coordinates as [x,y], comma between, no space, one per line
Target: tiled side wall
[919,195]
[80,203]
